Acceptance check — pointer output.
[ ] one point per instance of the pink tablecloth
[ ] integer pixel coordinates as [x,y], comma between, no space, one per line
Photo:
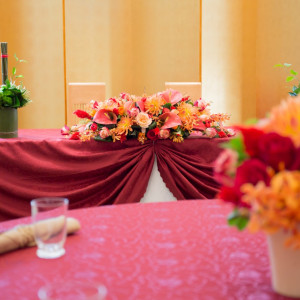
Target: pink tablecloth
[175,250]
[42,163]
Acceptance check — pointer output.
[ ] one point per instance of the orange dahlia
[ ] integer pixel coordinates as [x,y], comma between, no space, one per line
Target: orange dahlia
[124,125]
[154,105]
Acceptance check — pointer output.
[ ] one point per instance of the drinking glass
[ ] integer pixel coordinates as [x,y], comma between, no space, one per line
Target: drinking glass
[49,225]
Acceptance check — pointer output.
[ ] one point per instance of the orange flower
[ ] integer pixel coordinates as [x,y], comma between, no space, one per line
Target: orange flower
[154,105]
[124,125]
[276,206]
[285,119]
[141,137]
[188,115]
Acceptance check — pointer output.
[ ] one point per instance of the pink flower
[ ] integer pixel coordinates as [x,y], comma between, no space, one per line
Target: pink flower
[171,96]
[201,104]
[210,132]
[105,116]
[165,110]
[134,112]
[104,133]
[143,120]
[65,130]
[225,167]
[164,134]
[170,120]
[230,132]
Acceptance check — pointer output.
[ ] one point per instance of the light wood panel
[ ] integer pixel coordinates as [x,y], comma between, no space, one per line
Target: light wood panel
[33,30]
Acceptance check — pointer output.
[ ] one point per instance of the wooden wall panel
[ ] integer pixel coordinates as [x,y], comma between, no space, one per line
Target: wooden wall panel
[33,30]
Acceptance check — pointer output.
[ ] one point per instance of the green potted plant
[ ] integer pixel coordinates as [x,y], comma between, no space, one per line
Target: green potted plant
[12,97]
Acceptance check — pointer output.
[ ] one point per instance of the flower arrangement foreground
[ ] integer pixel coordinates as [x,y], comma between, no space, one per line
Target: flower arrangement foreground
[164,115]
[260,174]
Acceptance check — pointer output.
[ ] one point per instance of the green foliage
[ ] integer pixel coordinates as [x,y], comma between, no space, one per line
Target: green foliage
[11,94]
[168,105]
[237,220]
[292,76]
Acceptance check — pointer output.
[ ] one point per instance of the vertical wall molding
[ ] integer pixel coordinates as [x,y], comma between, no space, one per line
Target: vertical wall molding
[64,58]
[200,43]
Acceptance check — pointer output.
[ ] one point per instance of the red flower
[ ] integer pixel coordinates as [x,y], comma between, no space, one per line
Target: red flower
[251,171]
[296,163]
[222,134]
[116,111]
[94,127]
[275,149]
[75,136]
[251,136]
[207,124]
[82,114]
[152,134]
[123,138]
[165,110]
[230,194]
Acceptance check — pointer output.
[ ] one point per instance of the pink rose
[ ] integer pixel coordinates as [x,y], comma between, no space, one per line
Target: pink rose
[210,132]
[164,134]
[104,133]
[225,167]
[134,112]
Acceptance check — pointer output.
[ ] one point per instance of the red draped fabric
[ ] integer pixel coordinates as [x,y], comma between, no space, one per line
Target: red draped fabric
[41,163]
[187,168]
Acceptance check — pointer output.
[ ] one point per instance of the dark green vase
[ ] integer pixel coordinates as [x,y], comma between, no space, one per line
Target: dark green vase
[8,122]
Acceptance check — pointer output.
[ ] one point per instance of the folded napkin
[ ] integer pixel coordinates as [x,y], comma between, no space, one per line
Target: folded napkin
[23,235]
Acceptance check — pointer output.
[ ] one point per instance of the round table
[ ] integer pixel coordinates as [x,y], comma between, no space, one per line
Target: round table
[172,250]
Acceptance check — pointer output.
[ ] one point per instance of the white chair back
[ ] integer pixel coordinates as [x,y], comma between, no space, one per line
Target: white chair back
[80,94]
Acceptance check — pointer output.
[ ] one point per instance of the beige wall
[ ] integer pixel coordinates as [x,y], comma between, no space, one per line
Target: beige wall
[165,43]
[242,40]
[277,42]
[33,30]
[132,45]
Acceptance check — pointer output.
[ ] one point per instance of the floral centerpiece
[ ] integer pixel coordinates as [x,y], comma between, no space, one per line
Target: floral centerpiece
[12,97]
[164,115]
[260,175]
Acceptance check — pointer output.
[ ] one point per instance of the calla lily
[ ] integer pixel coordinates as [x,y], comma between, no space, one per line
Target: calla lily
[141,105]
[170,120]
[105,116]
[200,126]
[171,96]
[128,105]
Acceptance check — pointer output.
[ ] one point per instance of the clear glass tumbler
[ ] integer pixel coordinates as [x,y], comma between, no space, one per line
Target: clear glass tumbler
[49,217]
